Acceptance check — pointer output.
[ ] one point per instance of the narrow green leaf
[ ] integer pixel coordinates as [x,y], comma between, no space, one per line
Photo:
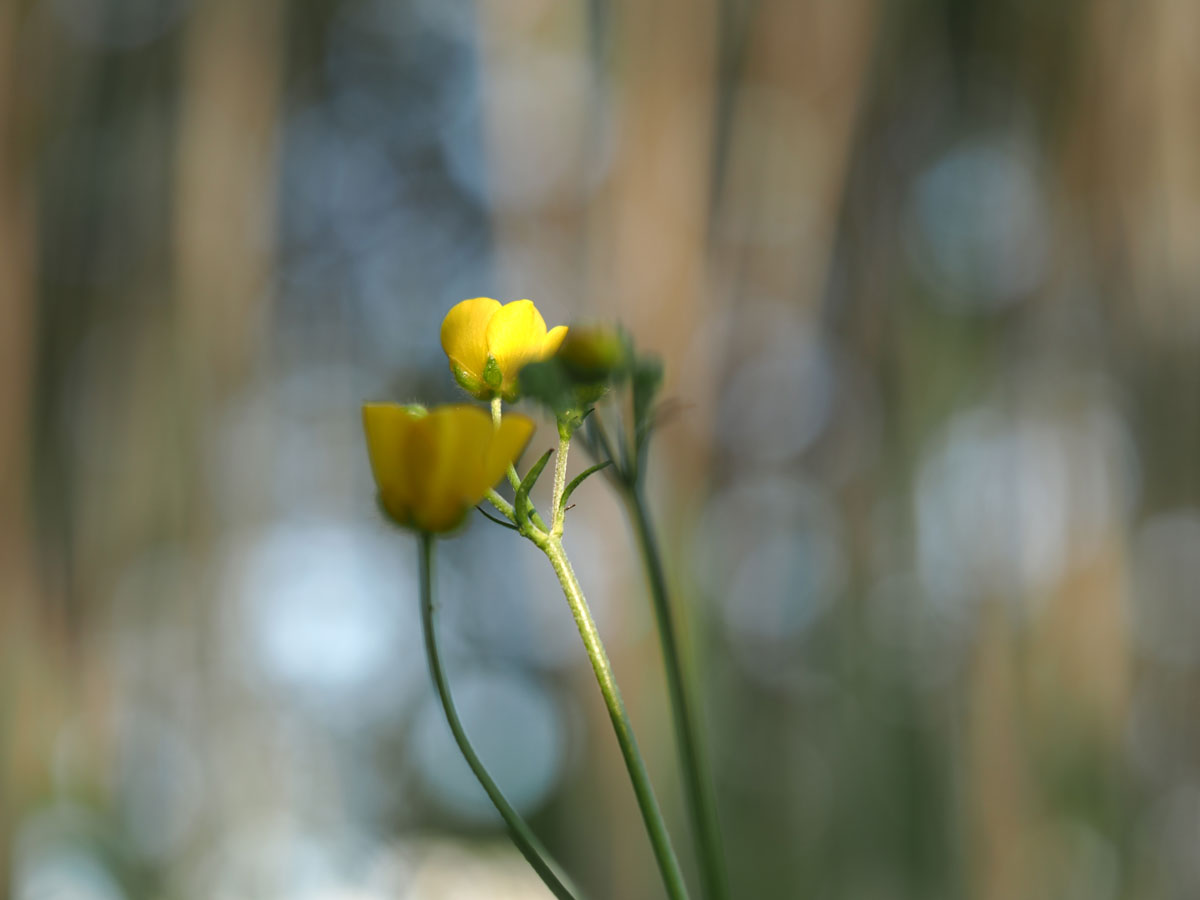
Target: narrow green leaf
[579,479]
[647,379]
[496,519]
[522,506]
[598,440]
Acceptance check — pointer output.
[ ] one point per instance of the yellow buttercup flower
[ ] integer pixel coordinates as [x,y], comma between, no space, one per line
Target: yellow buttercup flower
[432,467]
[488,344]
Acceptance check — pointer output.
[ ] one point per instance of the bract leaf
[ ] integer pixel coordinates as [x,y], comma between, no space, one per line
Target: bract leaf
[522,506]
[579,479]
[496,519]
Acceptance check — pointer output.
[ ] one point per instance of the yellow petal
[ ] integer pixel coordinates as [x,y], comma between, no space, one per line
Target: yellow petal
[506,445]
[431,468]
[458,439]
[464,334]
[515,336]
[387,427]
[553,340]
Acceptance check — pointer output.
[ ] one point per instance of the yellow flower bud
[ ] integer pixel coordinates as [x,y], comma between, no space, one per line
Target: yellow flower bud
[487,344]
[432,467]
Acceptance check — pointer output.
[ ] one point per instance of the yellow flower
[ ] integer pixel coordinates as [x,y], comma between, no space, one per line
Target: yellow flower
[488,344]
[431,467]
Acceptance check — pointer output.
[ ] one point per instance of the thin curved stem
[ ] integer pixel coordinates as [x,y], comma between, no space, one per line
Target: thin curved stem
[514,479]
[502,506]
[651,813]
[531,848]
[497,416]
[697,781]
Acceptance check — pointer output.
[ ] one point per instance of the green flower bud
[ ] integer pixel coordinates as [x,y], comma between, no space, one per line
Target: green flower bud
[593,353]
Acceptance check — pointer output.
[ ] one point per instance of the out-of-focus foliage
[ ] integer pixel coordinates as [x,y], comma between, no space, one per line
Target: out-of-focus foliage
[923,275]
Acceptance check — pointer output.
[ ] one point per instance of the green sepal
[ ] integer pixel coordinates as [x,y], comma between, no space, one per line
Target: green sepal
[522,505]
[550,383]
[470,383]
[546,383]
[492,376]
[579,479]
[587,395]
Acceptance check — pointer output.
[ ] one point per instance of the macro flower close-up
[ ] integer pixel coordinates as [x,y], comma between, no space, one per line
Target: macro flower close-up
[488,343]
[825,526]
[433,466]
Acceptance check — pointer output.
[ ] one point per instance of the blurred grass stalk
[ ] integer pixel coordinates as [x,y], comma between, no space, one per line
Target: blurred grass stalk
[51,674]
[226,178]
[21,720]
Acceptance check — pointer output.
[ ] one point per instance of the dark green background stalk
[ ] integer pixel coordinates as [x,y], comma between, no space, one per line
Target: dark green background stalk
[697,782]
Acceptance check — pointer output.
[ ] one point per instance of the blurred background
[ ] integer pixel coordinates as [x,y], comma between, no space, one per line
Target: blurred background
[924,275]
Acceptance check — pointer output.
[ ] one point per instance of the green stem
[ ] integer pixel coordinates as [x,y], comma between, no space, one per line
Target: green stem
[531,848]
[502,506]
[700,800]
[560,481]
[655,825]
[513,478]
[497,415]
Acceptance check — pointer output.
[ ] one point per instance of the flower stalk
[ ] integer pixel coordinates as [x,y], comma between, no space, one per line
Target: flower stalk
[633,382]
[432,466]
[497,418]
[557,513]
[652,815]
[549,541]
[522,836]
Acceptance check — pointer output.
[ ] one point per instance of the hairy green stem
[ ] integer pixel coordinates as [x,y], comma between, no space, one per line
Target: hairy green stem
[697,782]
[651,814]
[531,848]
[560,481]
[549,541]
[502,506]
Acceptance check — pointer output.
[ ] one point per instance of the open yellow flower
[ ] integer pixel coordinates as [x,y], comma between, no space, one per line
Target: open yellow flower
[432,467]
[488,344]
